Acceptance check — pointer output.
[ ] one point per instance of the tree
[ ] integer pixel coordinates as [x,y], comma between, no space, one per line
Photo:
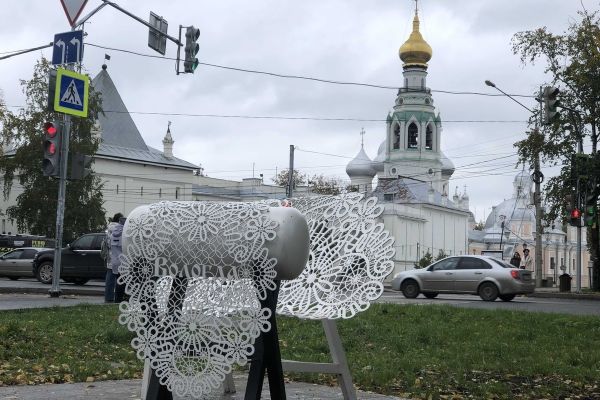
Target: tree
[572,59]
[321,184]
[425,261]
[21,170]
[479,226]
[281,179]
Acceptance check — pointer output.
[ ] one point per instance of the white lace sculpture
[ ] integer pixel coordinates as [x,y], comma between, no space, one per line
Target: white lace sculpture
[350,256]
[195,272]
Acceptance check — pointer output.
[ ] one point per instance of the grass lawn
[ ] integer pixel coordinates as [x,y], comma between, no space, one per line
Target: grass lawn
[437,352]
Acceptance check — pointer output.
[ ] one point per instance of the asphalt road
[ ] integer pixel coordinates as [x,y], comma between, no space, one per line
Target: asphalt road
[520,303]
[29,293]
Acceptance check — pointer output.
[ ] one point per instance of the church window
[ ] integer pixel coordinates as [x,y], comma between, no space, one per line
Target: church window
[159,193]
[176,193]
[396,137]
[429,138]
[142,191]
[405,82]
[117,189]
[413,136]
[422,83]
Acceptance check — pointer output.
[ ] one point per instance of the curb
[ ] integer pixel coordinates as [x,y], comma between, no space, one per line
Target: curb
[543,294]
[64,291]
[566,295]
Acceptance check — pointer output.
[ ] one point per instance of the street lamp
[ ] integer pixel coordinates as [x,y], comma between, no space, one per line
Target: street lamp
[492,84]
[502,218]
[538,180]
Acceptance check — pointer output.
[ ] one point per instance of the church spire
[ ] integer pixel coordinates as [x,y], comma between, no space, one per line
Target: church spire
[168,142]
[415,52]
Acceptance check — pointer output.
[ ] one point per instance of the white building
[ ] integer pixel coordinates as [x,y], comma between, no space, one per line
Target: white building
[412,172]
[134,173]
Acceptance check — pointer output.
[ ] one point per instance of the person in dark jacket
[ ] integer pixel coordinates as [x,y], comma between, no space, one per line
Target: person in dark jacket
[516,260]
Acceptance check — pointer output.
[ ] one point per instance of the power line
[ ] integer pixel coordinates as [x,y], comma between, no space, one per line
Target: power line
[288,76]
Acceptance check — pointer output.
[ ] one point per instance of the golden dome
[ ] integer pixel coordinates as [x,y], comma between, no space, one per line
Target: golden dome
[415,51]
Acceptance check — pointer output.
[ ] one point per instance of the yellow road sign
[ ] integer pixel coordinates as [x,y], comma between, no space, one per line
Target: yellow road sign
[72,92]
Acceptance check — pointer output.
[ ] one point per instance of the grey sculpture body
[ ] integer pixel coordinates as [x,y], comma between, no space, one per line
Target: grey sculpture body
[195,273]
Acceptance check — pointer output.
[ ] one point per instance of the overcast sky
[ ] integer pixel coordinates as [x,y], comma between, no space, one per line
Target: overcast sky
[342,40]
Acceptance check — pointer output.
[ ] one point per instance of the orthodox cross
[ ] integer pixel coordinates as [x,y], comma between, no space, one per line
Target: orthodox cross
[362,137]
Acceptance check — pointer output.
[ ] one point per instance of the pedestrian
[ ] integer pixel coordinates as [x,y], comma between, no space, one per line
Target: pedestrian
[116,249]
[516,259]
[110,280]
[526,261]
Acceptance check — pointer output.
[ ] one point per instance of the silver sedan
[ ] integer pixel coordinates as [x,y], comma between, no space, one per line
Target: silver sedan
[488,277]
[18,263]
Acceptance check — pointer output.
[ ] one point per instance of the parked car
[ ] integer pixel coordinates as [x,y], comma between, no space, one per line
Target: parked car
[17,263]
[80,261]
[488,277]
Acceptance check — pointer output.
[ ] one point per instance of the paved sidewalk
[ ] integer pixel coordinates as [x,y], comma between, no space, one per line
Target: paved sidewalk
[130,390]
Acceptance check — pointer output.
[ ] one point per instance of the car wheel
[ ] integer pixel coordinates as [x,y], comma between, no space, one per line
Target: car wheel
[410,288]
[430,295]
[13,278]
[506,297]
[80,281]
[488,291]
[44,272]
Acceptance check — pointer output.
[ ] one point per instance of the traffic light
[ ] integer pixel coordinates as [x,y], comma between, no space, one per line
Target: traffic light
[79,166]
[191,49]
[591,213]
[575,217]
[52,140]
[550,105]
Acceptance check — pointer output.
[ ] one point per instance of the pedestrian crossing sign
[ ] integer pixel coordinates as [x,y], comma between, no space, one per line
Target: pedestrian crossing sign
[71,94]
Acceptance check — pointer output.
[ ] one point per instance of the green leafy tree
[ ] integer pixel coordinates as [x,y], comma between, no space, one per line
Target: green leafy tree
[281,179]
[479,226]
[425,261]
[21,165]
[324,185]
[572,60]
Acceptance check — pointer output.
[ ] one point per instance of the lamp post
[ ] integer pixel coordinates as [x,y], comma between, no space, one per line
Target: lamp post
[502,218]
[536,198]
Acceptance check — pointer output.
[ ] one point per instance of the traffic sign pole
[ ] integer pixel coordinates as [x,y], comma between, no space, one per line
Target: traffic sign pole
[60,210]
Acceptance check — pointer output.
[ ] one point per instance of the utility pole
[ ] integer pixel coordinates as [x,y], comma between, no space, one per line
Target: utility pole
[537,201]
[290,185]
[60,211]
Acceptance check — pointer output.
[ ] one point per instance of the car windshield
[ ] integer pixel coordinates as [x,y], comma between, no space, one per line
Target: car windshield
[502,263]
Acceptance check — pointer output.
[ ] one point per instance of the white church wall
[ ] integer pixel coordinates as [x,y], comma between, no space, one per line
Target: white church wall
[128,185]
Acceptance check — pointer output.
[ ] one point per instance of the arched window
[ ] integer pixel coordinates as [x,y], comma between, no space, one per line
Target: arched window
[422,83]
[413,136]
[396,136]
[429,138]
[405,82]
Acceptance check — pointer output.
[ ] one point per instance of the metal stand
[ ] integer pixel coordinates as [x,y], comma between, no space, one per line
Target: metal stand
[155,390]
[267,357]
[339,366]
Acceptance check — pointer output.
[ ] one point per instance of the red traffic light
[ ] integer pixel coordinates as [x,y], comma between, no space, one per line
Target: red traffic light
[51,148]
[576,213]
[50,129]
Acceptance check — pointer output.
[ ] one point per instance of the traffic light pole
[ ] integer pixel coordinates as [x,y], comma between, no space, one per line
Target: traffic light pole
[60,208]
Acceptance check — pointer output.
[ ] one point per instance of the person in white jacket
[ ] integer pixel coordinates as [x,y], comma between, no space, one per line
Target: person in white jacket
[111,278]
[116,249]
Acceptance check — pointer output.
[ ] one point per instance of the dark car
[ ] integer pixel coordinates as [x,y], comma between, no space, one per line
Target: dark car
[80,261]
[17,263]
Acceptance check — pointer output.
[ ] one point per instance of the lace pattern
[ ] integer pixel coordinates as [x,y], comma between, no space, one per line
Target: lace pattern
[195,273]
[350,256]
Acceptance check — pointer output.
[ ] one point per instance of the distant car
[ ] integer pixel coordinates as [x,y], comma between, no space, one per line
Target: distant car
[488,277]
[80,261]
[17,263]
